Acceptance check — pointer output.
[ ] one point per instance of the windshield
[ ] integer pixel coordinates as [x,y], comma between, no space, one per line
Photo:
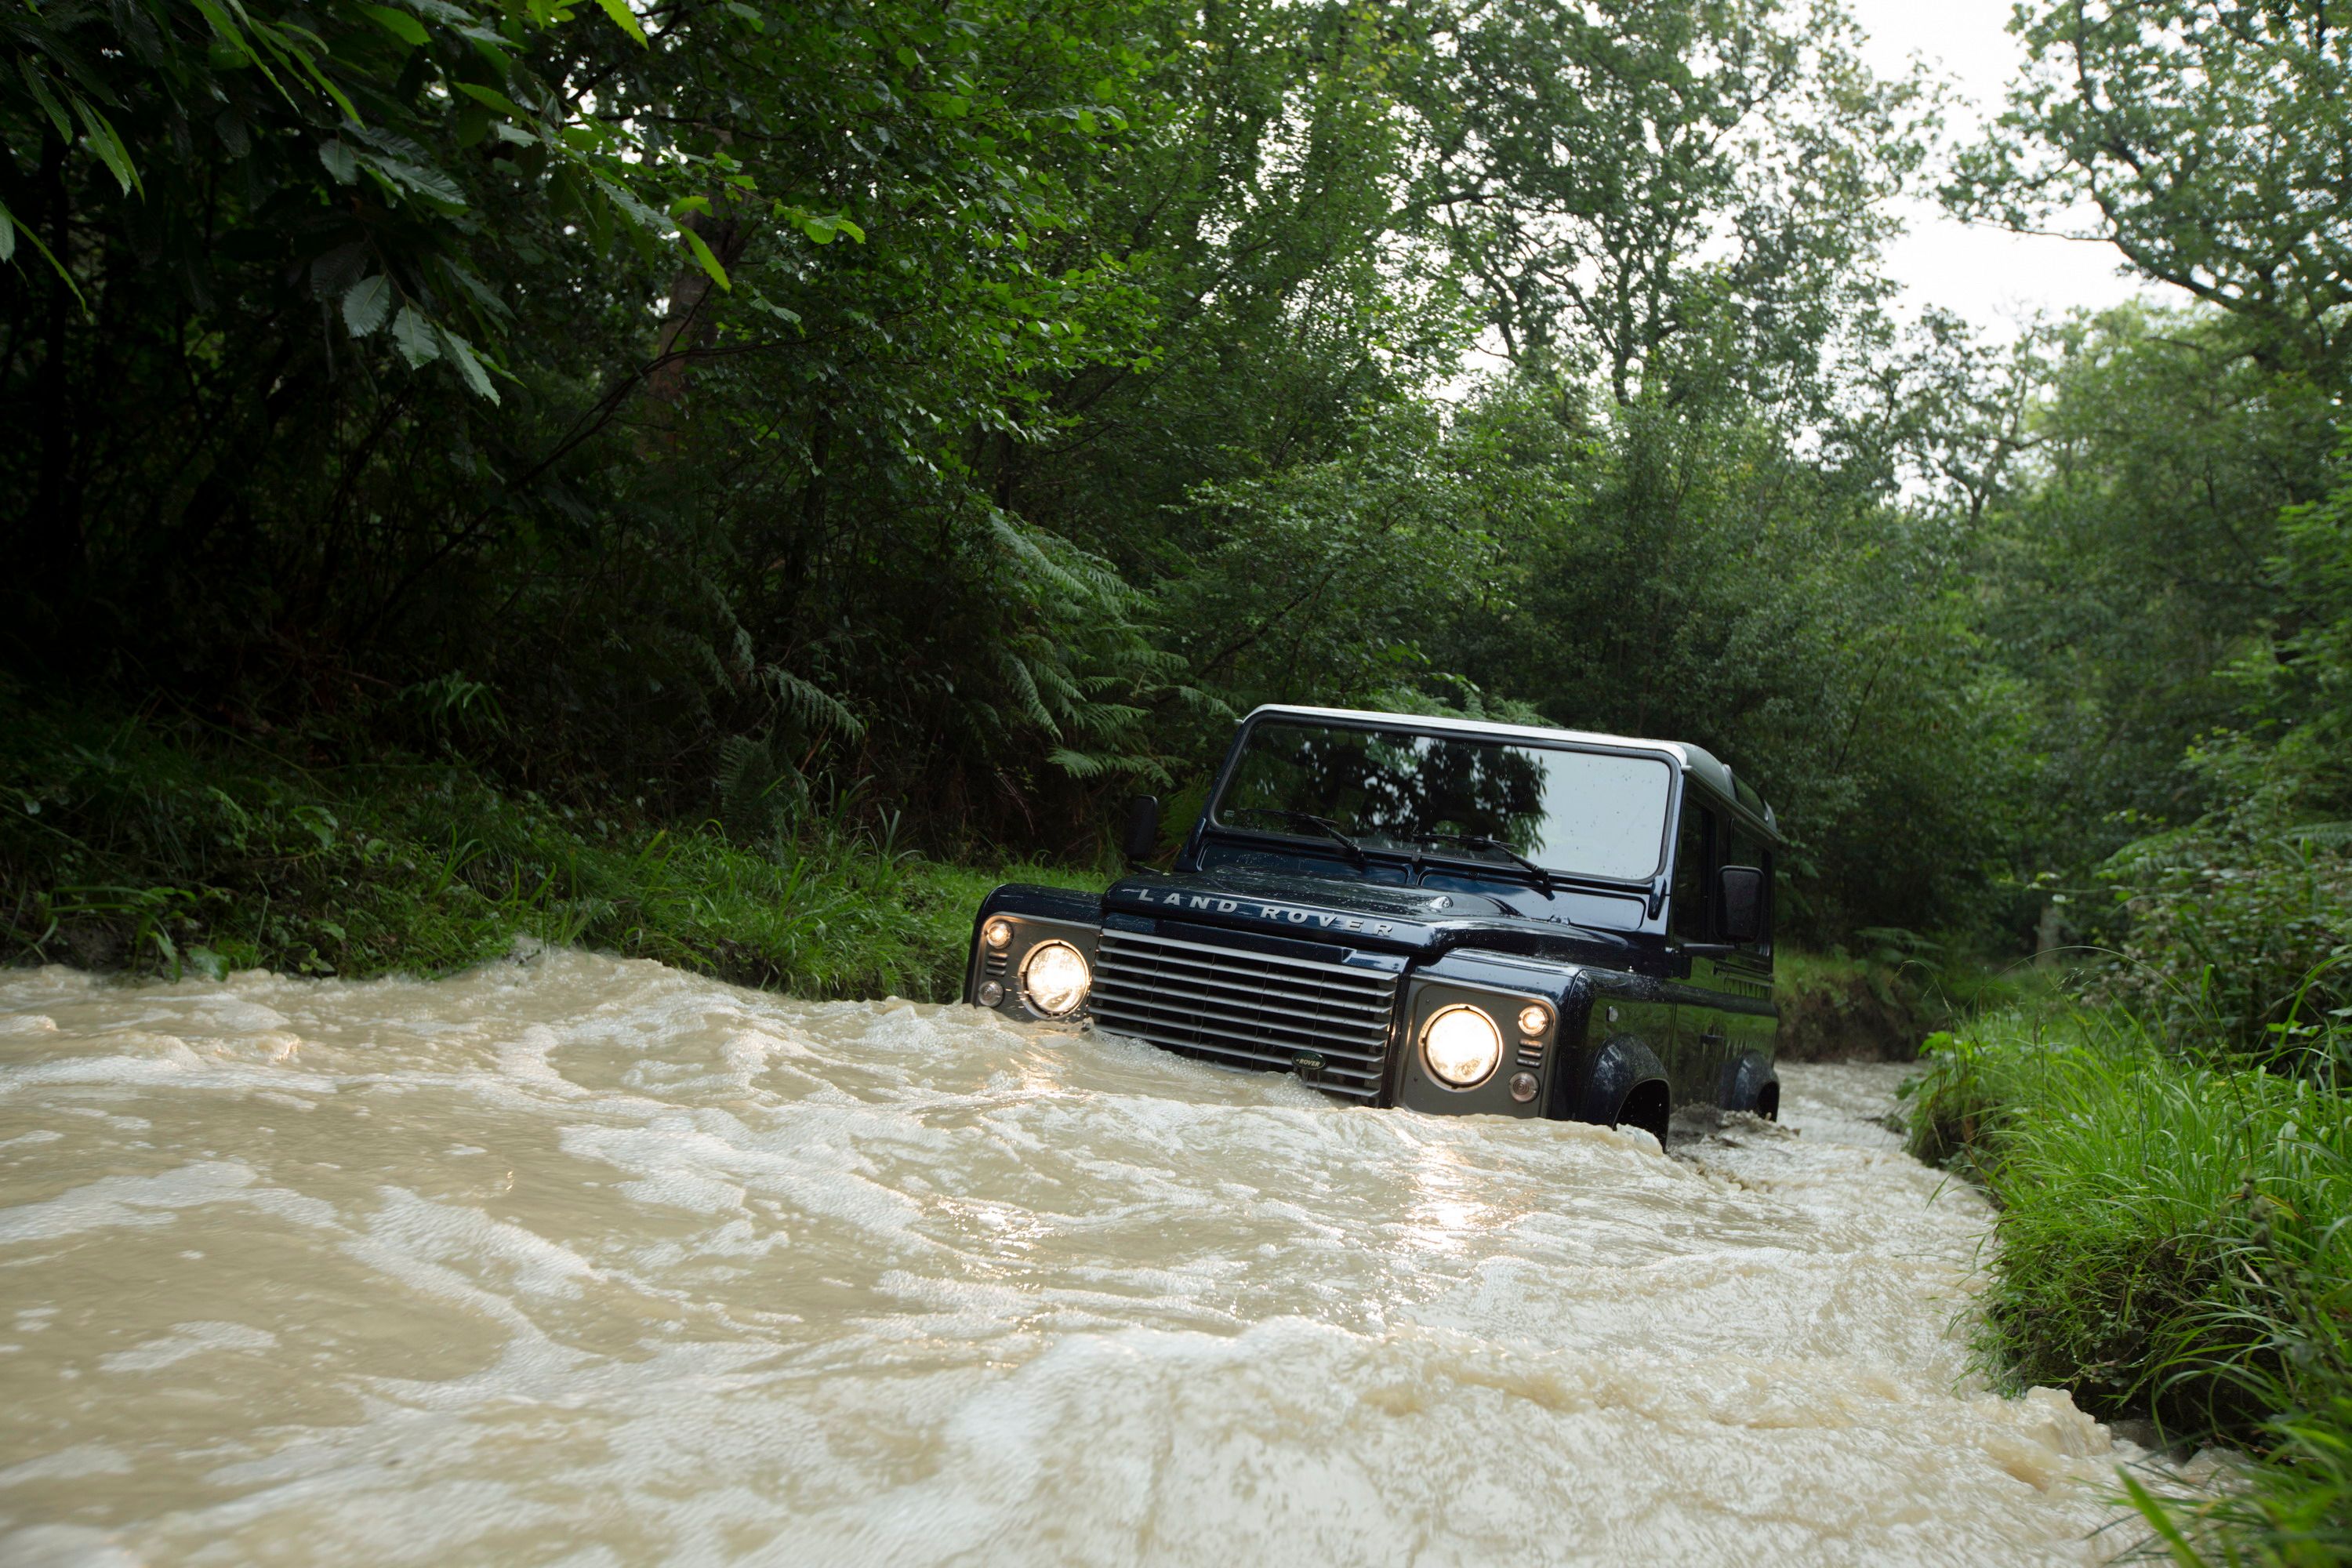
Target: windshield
[1591,813]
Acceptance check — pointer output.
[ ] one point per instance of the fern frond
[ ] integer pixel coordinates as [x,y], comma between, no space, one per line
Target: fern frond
[811,704]
[1024,689]
[1087,765]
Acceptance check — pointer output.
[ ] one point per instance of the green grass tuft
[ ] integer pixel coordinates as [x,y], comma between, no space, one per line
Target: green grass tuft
[2173,1246]
[130,847]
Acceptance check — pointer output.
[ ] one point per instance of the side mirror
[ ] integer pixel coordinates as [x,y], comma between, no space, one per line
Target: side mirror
[1740,897]
[1142,835]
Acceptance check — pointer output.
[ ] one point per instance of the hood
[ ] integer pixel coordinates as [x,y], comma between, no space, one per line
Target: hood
[1370,915]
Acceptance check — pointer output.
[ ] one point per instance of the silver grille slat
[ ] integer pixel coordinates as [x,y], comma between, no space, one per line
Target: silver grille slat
[1340,1013]
[1289,1040]
[1245,1009]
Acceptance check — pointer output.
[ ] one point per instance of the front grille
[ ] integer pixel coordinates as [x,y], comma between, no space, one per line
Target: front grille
[1248,1009]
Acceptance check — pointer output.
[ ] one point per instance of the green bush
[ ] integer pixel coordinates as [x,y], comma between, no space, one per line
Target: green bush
[2172,1246]
[2241,931]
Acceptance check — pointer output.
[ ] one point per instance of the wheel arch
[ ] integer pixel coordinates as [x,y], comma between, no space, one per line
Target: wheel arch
[1626,1084]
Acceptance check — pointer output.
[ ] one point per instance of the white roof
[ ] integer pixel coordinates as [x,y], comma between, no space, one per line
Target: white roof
[1693,759]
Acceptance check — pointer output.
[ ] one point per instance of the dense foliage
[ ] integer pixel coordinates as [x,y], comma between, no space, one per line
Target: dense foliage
[624,472]
[961,411]
[968,408]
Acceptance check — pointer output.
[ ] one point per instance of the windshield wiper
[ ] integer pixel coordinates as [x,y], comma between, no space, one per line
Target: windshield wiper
[1323,825]
[1480,841]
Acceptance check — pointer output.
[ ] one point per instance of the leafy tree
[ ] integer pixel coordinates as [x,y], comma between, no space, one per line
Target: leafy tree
[1672,196]
[2206,139]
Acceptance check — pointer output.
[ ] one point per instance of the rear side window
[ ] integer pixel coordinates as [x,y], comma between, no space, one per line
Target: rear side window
[1689,920]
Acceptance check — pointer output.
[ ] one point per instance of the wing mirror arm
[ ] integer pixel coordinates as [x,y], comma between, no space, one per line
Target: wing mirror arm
[1141,833]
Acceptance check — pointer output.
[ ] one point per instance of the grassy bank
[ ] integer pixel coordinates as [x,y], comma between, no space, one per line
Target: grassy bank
[129,845]
[1881,1003]
[2173,1247]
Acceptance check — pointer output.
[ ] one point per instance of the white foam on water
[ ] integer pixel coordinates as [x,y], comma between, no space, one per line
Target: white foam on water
[113,1201]
[187,1340]
[573,1259]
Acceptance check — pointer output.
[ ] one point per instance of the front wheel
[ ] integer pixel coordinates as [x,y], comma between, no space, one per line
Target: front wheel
[1749,1084]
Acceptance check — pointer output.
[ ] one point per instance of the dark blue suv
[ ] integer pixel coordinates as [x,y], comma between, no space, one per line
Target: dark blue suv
[1441,913]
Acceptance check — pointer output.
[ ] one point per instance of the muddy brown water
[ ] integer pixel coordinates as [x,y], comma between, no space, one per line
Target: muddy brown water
[583,1261]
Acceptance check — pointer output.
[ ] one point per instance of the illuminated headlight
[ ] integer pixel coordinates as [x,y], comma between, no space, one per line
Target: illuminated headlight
[997,933]
[1055,977]
[1533,1019]
[1461,1045]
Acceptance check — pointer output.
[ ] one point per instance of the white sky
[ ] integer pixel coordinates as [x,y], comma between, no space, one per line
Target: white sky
[1993,278]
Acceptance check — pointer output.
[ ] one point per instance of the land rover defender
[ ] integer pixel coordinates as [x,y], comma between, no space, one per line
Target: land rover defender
[1439,913]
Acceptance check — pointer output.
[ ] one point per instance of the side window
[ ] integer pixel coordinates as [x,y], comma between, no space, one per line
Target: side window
[1688,921]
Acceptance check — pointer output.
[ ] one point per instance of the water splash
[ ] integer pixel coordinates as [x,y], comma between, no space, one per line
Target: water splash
[588,1261]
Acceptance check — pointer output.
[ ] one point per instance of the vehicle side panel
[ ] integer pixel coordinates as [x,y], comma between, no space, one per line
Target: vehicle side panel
[1618,1008]
[1721,1013]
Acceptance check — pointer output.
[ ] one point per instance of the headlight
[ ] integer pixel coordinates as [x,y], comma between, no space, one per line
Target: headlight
[1534,1018]
[1461,1045]
[1055,978]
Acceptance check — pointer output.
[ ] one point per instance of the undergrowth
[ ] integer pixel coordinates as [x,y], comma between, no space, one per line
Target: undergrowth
[2172,1246]
[158,850]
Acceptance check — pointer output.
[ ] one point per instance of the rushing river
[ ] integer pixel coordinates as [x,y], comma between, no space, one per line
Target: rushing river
[576,1260]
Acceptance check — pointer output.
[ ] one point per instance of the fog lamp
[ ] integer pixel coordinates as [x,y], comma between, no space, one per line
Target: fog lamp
[1534,1018]
[997,933]
[1055,978]
[1461,1045]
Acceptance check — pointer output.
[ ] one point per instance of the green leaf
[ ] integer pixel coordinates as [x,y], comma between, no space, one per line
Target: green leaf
[626,203]
[493,98]
[461,354]
[107,144]
[623,17]
[413,335]
[233,39]
[340,162]
[367,304]
[482,293]
[430,184]
[823,229]
[46,99]
[702,255]
[399,23]
[8,250]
